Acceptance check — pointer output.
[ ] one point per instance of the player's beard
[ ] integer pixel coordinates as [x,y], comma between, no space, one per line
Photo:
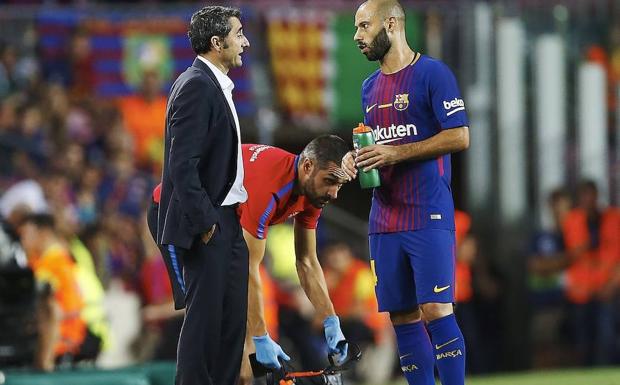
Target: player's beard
[310,191]
[379,47]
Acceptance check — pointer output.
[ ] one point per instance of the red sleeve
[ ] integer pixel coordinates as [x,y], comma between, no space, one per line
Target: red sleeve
[157,194]
[308,218]
[257,212]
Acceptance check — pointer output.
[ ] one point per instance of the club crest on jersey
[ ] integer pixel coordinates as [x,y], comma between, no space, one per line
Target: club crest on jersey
[401,102]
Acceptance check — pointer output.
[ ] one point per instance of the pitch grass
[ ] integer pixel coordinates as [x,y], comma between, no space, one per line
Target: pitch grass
[605,376]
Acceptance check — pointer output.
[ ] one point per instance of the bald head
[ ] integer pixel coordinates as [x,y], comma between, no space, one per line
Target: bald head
[385,8]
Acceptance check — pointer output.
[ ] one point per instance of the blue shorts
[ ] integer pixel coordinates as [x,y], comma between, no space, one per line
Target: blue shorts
[413,267]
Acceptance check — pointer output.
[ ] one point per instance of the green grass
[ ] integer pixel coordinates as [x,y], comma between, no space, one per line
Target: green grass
[606,376]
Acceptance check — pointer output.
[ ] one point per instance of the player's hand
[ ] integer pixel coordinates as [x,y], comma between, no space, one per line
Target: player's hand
[268,352]
[206,237]
[348,165]
[333,335]
[245,375]
[376,156]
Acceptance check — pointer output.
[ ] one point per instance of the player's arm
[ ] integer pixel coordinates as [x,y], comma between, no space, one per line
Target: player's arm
[310,272]
[445,142]
[313,282]
[268,352]
[256,320]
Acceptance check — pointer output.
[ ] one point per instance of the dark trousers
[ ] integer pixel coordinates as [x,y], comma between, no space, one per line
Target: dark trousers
[593,327]
[215,279]
[177,292]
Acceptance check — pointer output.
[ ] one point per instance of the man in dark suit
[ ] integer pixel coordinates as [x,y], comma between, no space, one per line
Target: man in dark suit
[202,185]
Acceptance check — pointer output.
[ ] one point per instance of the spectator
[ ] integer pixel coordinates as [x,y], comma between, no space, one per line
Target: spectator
[144,117]
[466,254]
[350,284]
[62,330]
[351,287]
[8,61]
[592,239]
[12,254]
[546,263]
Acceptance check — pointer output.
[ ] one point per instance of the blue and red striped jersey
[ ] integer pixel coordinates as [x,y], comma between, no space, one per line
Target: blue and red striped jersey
[269,178]
[408,106]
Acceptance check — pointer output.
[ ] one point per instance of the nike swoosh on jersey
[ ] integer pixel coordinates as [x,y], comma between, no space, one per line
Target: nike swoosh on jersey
[446,344]
[369,108]
[440,289]
[405,356]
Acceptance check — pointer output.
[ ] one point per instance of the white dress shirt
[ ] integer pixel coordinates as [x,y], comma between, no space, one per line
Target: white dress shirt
[237,193]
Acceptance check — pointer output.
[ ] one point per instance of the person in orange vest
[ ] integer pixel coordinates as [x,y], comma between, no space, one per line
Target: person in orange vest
[466,254]
[350,285]
[143,116]
[592,239]
[61,328]
[466,249]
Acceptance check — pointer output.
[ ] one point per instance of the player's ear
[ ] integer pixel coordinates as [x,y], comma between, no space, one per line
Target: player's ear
[390,24]
[308,166]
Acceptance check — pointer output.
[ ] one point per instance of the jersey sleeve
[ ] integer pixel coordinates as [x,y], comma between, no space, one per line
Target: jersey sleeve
[256,214]
[308,218]
[446,100]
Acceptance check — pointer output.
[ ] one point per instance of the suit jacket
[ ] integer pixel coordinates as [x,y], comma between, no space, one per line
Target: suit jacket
[200,159]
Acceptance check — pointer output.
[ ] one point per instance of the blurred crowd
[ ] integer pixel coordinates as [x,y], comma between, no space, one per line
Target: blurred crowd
[574,281]
[76,173]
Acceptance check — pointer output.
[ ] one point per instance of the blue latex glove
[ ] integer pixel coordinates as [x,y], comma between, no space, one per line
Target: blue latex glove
[333,335]
[268,352]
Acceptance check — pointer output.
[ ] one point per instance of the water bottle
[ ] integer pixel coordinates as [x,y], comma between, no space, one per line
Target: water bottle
[362,137]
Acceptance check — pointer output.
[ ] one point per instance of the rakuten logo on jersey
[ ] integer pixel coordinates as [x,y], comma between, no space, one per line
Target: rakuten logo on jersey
[454,105]
[392,133]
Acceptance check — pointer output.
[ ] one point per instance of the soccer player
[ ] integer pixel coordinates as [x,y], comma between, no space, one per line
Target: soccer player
[414,107]
[281,185]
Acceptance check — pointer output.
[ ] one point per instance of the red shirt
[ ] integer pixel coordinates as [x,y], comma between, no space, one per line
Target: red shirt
[270,175]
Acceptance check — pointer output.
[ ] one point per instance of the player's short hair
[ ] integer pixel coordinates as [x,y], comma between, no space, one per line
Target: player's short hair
[41,220]
[212,20]
[326,149]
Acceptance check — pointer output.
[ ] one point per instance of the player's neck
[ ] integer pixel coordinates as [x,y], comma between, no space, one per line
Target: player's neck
[397,58]
[297,191]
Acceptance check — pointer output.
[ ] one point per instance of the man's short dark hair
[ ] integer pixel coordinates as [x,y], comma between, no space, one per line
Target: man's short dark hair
[41,220]
[212,20]
[326,149]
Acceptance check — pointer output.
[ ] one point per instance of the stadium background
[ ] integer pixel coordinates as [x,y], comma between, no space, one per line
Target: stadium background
[539,79]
